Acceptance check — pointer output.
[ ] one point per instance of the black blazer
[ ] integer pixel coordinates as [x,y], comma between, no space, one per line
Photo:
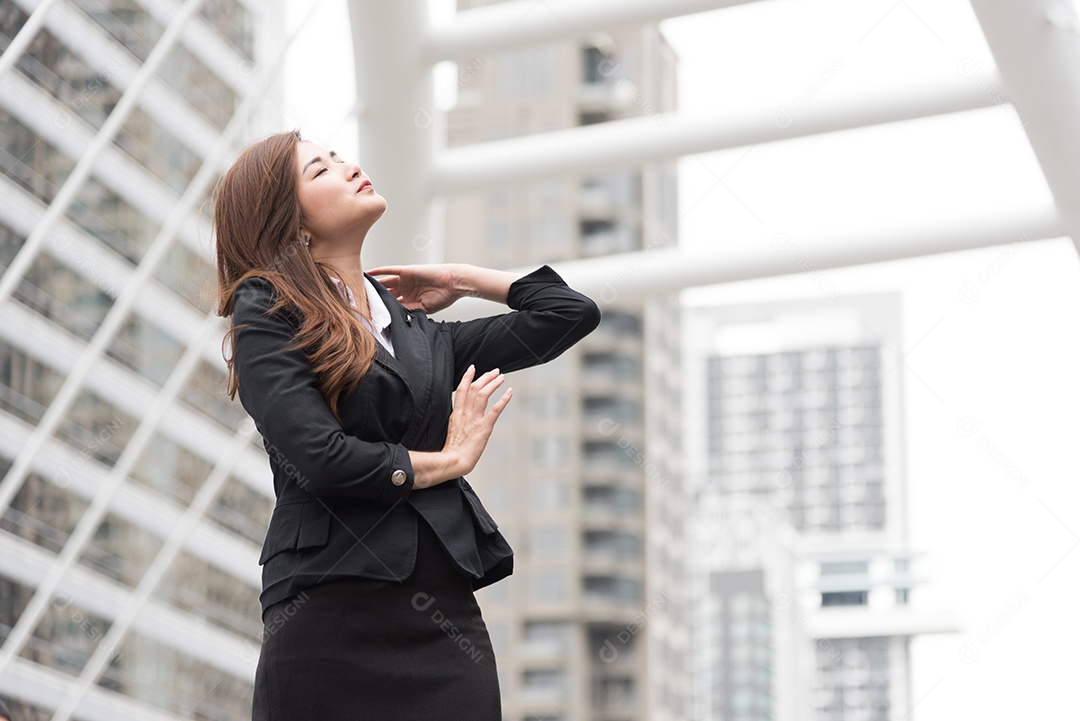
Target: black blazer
[345,499]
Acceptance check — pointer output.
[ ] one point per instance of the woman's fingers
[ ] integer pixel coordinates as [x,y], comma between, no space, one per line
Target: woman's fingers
[472,394]
[482,388]
[486,377]
[490,387]
[386,270]
[467,377]
[501,403]
[463,386]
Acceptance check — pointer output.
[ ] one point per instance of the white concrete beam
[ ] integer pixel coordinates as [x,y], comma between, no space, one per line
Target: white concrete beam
[860,622]
[633,141]
[1036,44]
[614,279]
[510,25]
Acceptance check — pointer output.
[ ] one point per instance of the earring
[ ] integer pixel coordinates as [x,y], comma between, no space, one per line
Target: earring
[307,240]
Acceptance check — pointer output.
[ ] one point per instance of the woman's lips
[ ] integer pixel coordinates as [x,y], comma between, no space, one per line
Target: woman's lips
[365,185]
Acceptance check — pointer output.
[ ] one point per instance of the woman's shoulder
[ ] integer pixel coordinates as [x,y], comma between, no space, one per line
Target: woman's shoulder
[254,284]
[256,294]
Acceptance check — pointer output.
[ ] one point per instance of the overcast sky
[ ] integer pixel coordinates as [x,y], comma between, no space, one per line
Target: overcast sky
[990,377]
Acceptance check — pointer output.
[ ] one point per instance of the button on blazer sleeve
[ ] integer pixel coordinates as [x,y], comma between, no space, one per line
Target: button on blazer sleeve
[303,439]
[548,318]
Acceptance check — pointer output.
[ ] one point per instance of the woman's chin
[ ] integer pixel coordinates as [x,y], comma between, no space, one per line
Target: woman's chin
[373,212]
[378,205]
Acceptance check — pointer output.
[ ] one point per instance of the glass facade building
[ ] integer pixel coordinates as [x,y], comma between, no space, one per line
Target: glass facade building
[134,495]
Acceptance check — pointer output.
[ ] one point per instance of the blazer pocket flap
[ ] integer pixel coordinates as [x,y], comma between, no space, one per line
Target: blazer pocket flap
[487,523]
[294,526]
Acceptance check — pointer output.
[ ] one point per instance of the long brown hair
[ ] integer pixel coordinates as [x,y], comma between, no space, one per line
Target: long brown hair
[257,219]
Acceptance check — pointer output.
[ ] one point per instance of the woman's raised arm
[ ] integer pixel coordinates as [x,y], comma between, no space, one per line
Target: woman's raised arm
[434,287]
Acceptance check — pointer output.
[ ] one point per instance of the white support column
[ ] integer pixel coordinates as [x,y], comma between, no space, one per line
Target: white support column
[510,25]
[1036,44]
[400,127]
[633,141]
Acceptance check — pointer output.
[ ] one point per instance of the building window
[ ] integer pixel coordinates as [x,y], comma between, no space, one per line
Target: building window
[844,598]
[612,589]
[597,66]
[606,409]
[593,117]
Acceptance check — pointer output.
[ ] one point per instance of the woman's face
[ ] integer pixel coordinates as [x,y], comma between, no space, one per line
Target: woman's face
[337,200]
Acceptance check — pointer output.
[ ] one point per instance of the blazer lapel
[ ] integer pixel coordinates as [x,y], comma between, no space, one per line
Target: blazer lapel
[411,359]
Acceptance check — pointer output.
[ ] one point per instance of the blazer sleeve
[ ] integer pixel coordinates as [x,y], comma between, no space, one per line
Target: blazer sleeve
[279,391]
[548,318]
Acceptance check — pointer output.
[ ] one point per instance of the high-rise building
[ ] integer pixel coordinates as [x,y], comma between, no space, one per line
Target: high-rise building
[133,497]
[803,568]
[583,470]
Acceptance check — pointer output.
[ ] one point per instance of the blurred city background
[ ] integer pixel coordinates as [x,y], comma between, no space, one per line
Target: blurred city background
[816,462]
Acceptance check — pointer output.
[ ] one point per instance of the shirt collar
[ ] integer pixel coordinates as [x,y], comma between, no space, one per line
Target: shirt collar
[380,315]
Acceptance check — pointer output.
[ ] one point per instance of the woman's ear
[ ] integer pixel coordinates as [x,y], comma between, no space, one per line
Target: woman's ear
[305,237]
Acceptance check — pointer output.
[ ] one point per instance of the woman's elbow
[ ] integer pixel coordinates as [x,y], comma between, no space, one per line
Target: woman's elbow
[589,316]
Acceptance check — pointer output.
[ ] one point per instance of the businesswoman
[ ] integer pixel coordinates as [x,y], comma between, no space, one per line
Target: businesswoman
[371,413]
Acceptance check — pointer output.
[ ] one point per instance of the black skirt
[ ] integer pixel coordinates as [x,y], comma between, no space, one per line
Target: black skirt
[358,649]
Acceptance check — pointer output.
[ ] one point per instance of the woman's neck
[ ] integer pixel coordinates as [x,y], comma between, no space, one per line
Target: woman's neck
[347,269]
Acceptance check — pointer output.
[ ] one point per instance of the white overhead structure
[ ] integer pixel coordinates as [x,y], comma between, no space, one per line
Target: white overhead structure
[509,25]
[1035,43]
[600,147]
[399,123]
[631,276]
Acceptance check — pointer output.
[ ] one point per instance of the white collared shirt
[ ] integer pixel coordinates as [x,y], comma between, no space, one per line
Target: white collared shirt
[380,315]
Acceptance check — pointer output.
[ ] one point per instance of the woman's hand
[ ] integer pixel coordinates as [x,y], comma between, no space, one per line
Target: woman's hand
[471,422]
[429,288]
[468,432]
